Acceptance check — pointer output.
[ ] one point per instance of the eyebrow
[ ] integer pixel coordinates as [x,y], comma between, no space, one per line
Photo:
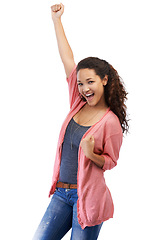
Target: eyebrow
[86,79]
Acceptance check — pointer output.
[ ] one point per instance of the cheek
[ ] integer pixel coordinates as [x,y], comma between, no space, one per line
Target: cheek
[100,90]
[79,89]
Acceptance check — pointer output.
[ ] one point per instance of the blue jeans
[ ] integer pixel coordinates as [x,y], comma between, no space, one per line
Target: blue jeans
[61,216]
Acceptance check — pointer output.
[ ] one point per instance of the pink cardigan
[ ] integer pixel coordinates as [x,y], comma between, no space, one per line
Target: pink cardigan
[95,204]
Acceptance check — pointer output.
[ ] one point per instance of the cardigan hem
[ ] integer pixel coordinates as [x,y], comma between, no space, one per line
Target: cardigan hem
[85,224]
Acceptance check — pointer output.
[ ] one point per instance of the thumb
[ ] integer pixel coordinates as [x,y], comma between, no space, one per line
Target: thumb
[61,7]
[92,138]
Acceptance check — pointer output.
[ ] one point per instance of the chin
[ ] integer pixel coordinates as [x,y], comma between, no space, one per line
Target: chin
[91,104]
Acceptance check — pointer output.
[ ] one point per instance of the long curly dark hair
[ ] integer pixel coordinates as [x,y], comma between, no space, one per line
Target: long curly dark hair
[115,93]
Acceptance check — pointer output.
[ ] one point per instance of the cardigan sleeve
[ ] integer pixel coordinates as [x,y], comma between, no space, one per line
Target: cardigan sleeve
[111,151]
[73,87]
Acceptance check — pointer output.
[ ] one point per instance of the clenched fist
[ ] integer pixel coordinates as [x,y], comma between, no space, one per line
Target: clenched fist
[57,11]
[87,145]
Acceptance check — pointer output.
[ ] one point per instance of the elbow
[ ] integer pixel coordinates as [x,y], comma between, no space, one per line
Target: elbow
[109,163]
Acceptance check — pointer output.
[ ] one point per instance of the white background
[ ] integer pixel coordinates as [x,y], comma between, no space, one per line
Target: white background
[34,103]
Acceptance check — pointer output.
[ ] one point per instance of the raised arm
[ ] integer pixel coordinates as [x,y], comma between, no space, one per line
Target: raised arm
[65,50]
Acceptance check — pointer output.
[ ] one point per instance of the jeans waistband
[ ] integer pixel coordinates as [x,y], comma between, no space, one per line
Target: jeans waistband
[66,185]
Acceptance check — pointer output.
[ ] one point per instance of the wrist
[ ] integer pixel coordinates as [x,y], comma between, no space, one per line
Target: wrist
[89,154]
[56,20]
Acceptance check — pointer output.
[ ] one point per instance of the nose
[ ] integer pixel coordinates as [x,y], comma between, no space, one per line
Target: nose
[85,89]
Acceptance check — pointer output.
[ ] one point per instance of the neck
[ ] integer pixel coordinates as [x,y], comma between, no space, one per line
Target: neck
[98,107]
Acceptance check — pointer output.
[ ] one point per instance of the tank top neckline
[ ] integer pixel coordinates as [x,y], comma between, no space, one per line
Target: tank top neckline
[79,124]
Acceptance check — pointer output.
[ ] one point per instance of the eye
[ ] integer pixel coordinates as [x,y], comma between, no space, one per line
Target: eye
[80,84]
[90,82]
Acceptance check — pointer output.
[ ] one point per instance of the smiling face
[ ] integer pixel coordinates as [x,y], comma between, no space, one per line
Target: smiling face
[91,87]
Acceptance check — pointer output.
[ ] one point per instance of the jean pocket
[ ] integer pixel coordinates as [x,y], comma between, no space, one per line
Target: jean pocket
[60,190]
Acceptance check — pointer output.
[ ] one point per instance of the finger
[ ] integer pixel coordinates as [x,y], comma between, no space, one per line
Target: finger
[61,5]
[53,8]
[56,7]
[92,138]
[89,137]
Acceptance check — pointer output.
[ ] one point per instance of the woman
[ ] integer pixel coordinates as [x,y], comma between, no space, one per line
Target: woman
[89,143]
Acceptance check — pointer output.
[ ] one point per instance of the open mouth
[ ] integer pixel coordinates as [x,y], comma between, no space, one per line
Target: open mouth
[89,96]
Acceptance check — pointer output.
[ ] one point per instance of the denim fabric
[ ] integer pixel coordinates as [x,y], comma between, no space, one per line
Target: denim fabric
[61,216]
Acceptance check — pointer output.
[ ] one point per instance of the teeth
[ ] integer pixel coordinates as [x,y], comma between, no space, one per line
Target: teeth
[87,95]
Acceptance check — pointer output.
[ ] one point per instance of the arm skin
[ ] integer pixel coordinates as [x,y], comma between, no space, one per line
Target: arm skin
[97,159]
[67,58]
[65,50]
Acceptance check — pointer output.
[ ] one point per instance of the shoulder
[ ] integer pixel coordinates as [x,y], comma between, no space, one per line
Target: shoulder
[112,124]
[73,74]
[112,118]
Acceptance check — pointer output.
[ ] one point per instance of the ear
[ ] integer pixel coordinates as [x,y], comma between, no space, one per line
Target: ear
[105,80]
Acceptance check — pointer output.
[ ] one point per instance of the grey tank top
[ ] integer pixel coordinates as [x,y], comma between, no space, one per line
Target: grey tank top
[69,157]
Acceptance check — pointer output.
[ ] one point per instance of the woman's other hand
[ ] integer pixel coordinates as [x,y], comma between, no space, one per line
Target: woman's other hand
[87,145]
[65,50]
[57,11]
